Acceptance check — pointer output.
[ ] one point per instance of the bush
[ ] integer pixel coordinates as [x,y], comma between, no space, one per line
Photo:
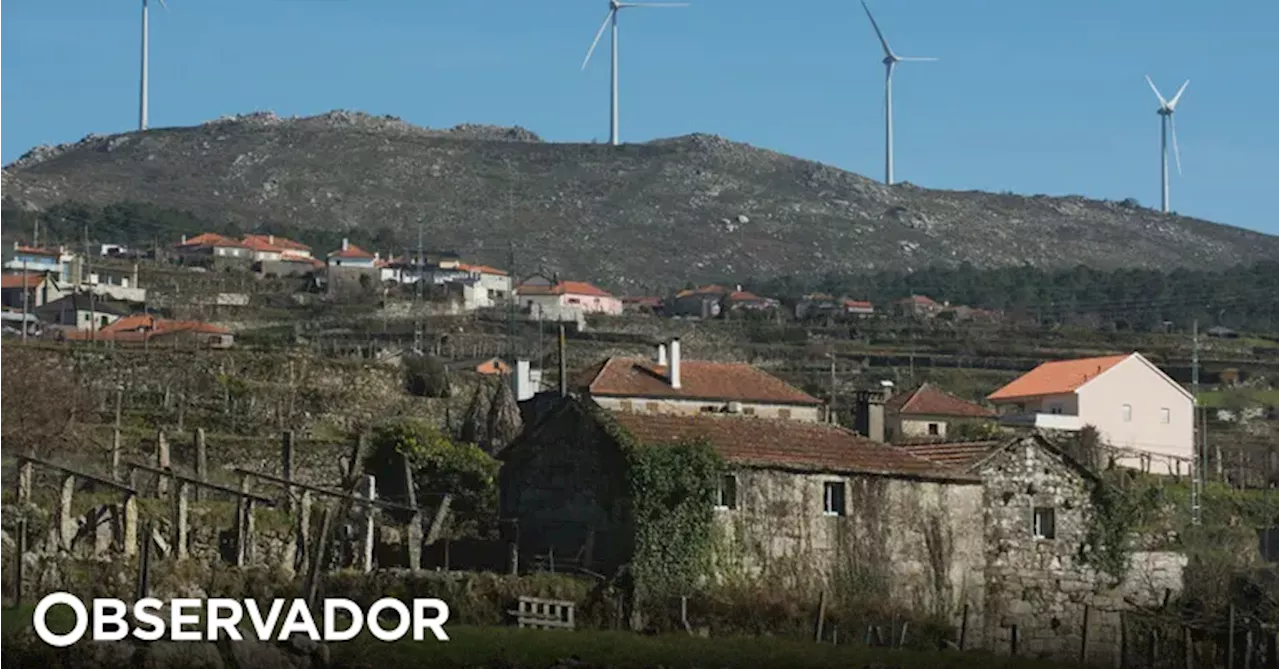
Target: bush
[426,376]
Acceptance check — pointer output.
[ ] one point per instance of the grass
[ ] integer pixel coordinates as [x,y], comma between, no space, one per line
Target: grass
[509,646]
[1219,399]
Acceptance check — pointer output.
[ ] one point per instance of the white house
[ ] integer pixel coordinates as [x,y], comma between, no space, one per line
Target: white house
[351,255]
[213,244]
[493,280]
[1146,417]
[31,259]
[271,247]
[566,300]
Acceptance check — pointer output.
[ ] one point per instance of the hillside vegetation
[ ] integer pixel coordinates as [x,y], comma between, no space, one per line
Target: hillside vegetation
[697,207]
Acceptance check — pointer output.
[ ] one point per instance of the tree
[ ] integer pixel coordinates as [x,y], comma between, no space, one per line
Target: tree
[45,403]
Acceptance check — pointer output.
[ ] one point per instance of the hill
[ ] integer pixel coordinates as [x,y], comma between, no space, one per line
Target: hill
[695,208]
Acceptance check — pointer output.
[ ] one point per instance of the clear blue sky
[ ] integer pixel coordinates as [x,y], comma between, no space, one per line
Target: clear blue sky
[1030,96]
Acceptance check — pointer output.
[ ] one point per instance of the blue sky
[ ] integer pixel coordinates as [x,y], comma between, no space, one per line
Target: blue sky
[1030,97]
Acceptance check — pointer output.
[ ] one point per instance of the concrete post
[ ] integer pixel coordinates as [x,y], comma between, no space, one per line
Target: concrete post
[129,525]
[66,523]
[179,519]
[286,467]
[244,525]
[162,462]
[371,494]
[26,475]
[202,464]
[303,552]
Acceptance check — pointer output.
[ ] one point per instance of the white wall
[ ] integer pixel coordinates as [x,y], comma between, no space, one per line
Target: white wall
[1147,392]
[810,414]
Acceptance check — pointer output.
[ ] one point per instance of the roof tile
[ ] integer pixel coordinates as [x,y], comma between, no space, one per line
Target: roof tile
[699,379]
[928,399]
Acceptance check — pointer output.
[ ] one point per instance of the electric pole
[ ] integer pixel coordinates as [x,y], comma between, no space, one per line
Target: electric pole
[1197,473]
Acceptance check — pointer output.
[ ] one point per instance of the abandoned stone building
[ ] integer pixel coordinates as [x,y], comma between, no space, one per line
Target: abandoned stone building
[804,505]
[1037,508]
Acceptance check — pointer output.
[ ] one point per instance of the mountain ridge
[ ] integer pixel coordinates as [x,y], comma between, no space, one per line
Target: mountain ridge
[689,208]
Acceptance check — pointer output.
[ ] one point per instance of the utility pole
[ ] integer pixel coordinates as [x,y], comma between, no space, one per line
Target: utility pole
[93,317]
[1197,473]
[831,407]
[26,296]
[564,367]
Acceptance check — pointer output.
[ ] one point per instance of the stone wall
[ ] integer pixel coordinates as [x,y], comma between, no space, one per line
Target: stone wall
[903,543]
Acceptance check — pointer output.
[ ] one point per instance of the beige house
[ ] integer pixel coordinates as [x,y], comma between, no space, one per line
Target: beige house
[1145,417]
[692,387]
[926,411]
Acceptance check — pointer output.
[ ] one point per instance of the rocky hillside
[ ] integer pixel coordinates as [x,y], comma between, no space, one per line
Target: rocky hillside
[688,208]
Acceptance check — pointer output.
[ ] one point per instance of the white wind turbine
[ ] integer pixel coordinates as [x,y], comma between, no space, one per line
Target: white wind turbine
[611,19]
[142,102]
[890,59]
[1167,128]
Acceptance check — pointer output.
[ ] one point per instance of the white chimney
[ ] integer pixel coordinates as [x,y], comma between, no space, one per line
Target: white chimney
[345,243]
[184,239]
[271,239]
[674,374]
[662,355]
[522,381]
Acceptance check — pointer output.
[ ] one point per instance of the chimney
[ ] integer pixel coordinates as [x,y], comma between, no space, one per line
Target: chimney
[133,278]
[869,418]
[184,240]
[737,288]
[271,239]
[674,372]
[345,244]
[662,355]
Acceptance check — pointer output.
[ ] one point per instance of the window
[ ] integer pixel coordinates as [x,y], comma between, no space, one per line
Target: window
[651,407]
[933,429]
[1126,413]
[1055,408]
[748,411]
[1164,415]
[625,405]
[727,495]
[1042,523]
[833,498]
[784,414]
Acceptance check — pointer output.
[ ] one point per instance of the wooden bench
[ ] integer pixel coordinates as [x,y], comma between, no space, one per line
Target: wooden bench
[543,613]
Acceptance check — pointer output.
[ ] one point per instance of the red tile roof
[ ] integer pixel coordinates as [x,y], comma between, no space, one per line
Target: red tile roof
[211,239]
[699,379]
[958,454]
[33,251]
[481,269]
[352,251]
[30,280]
[921,300]
[765,443]
[272,242]
[857,304]
[564,288]
[1055,378]
[928,399]
[147,323]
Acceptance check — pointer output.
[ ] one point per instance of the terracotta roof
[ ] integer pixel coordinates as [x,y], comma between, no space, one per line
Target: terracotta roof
[928,399]
[648,301]
[713,289]
[958,454]
[352,251]
[482,269]
[270,242]
[759,442]
[211,239]
[1054,378]
[564,288]
[919,299]
[699,379]
[33,251]
[857,304]
[138,323]
[31,280]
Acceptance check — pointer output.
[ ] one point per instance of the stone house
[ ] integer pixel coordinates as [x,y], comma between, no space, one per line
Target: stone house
[918,306]
[663,385]
[926,411]
[1143,416]
[802,506]
[1037,509]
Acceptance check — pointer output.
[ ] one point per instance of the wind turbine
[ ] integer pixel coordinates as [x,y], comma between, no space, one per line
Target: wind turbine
[890,59]
[142,102]
[611,20]
[1167,128]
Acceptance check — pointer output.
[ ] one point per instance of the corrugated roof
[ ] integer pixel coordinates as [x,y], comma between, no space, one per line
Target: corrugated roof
[928,399]
[1055,378]
[699,379]
[765,443]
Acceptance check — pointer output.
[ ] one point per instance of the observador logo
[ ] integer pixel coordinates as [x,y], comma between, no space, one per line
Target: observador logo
[213,619]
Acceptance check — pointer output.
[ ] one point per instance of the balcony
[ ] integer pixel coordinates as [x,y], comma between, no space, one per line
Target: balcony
[1043,421]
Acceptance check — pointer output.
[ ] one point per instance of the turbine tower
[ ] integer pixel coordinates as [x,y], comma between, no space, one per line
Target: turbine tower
[611,21]
[142,101]
[890,59]
[1167,128]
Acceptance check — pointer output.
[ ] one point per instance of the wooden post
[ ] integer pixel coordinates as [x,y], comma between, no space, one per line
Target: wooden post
[244,525]
[202,464]
[822,614]
[286,467]
[66,522]
[317,559]
[964,625]
[301,561]
[18,567]
[1151,647]
[26,476]
[1084,635]
[441,517]
[115,434]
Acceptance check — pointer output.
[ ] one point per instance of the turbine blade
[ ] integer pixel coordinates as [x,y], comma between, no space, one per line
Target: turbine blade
[916,58]
[1173,130]
[1157,92]
[1178,95]
[165,5]
[596,41]
[653,4]
[883,43]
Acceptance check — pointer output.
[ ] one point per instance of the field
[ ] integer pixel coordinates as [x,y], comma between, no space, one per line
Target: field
[500,647]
